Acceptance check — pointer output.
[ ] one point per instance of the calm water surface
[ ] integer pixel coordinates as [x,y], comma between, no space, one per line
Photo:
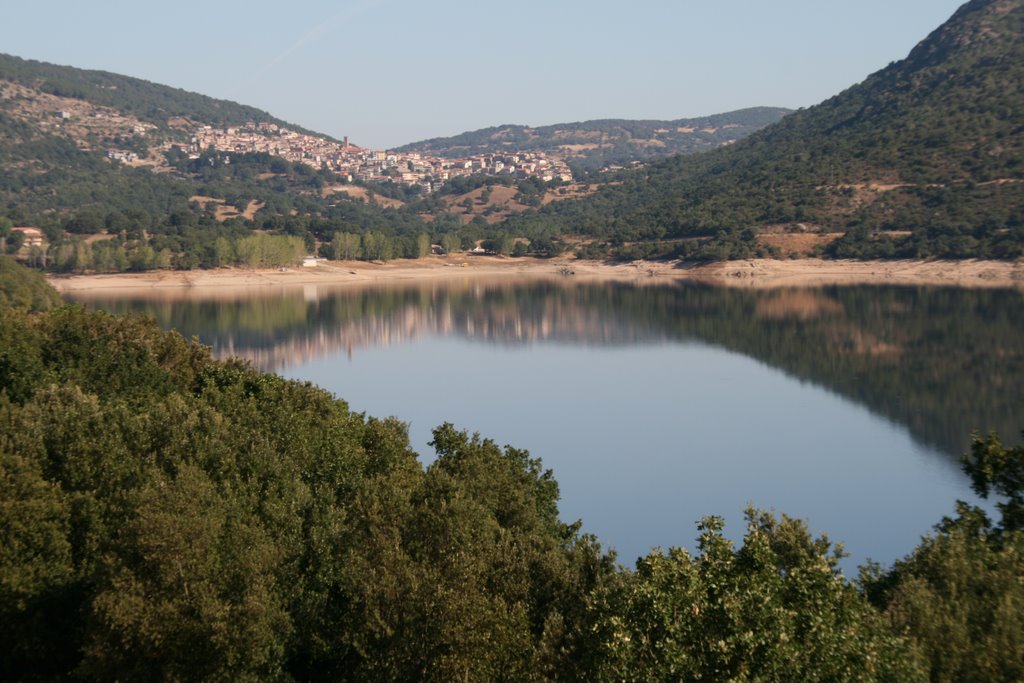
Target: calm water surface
[658,405]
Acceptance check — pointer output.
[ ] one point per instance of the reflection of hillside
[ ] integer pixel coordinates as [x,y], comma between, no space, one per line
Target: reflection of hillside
[940,361]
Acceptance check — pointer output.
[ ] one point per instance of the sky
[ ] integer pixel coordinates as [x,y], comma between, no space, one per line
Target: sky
[389,72]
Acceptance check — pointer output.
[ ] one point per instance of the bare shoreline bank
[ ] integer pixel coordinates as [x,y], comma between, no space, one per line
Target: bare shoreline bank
[757,273]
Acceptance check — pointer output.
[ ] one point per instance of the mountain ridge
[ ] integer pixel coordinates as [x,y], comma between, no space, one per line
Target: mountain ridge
[150,101]
[610,140]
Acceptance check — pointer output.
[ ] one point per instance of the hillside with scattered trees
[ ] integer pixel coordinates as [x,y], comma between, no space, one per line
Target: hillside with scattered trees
[923,159]
[150,102]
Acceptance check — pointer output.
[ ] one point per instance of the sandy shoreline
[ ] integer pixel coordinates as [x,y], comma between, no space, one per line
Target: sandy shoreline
[759,273]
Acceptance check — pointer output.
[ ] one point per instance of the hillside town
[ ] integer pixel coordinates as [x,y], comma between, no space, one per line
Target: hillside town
[86,123]
[354,163]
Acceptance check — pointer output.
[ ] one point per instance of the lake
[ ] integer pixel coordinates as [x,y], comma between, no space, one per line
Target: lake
[657,405]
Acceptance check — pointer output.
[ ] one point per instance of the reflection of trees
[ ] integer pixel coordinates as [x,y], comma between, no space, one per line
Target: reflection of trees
[940,361]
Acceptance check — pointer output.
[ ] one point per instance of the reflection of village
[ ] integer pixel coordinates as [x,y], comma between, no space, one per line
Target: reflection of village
[477,317]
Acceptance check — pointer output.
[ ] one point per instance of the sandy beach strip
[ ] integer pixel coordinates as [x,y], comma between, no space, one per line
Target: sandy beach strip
[758,273]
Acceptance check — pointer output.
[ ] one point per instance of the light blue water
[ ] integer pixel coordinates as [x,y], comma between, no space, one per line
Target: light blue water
[656,406]
[645,440]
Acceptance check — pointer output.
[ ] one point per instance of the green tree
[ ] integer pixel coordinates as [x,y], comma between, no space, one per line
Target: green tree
[189,590]
[14,241]
[37,256]
[959,596]
[994,468]
[36,572]
[959,599]
[86,222]
[162,261]
[21,288]
[348,246]
[422,245]
[776,608]
[270,251]
[140,258]
[451,243]
[370,248]
[478,580]
[223,252]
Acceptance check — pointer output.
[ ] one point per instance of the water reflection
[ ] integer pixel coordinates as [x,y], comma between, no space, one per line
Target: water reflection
[939,361]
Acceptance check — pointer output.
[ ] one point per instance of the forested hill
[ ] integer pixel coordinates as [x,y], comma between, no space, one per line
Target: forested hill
[24,289]
[149,102]
[590,145]
[931,144]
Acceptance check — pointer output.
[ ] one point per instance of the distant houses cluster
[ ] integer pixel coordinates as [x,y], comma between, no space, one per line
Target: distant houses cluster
[122,155]
[352,163]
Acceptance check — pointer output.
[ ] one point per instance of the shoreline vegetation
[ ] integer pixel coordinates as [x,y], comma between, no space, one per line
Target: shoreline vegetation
[751,273]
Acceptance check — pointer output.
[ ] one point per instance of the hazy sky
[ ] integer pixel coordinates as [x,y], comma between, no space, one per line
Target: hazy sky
[387,72]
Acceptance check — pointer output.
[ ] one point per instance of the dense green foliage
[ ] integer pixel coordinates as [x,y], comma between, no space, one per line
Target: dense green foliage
[23,289]
[774,609]
[607,141]
[959,596]
[164,512]
[995,469]
[930,145]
